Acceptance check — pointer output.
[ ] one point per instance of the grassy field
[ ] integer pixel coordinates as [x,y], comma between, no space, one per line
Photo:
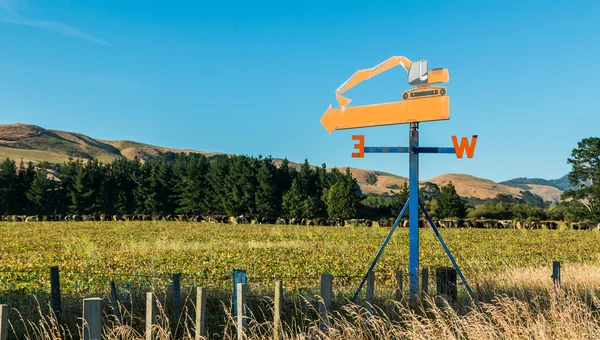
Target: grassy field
[208,252]
[141,256]
[296,254]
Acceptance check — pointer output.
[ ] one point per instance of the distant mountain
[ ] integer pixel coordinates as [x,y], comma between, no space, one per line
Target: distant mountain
[36,144]
[525,183]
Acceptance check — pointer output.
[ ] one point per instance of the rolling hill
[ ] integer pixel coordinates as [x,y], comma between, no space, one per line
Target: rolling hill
[550,190]
[526,183]
[471,186]
[36,144]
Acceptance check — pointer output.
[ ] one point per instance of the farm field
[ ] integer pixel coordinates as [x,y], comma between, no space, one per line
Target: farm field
[89,253]
[142,256]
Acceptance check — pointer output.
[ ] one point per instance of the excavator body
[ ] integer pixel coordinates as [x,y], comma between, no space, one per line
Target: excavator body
[418,76]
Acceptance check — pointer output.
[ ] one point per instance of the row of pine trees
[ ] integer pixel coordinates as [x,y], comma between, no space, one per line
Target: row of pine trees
[178,183]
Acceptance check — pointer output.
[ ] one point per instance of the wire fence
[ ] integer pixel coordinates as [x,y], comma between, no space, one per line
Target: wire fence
[33,292]
[210,279]
[23,285]
[177,292]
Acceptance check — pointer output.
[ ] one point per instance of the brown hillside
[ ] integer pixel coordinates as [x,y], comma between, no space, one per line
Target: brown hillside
[75,145]
[13,133]
[36,144]
[547,192]
[471,186]
[130,149]
[386,183]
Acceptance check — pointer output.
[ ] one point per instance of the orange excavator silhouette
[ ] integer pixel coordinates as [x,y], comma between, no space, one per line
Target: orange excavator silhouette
[418,76]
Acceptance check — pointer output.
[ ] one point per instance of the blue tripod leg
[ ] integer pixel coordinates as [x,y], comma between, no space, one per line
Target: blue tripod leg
[435,230]
[387,239]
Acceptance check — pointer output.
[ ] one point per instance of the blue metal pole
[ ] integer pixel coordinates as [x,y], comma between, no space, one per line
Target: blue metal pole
[413,268]
[437,233]
[385,242]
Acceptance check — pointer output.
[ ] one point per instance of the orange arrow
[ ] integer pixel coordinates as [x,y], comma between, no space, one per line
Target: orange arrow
[410,111]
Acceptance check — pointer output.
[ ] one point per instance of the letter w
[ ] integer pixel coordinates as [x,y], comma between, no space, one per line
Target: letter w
[464,144]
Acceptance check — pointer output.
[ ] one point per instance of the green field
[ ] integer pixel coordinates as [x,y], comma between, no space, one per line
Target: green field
[141,256]
[91,253]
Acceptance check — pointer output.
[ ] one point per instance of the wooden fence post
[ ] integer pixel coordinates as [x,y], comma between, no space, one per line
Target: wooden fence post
[446,282]
[92,319]
[425,282]
[370,290]
[200,311]
[327,296]
[277,311]
[177,299]
[150,315]
[55,293]
[556,273]
[241,309]
[115,301]
[399,289]
[3,322]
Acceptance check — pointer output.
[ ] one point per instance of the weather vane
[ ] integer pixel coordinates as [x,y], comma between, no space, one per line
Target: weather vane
[422,103]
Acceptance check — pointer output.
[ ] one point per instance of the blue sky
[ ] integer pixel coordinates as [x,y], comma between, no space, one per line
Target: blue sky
[255,77]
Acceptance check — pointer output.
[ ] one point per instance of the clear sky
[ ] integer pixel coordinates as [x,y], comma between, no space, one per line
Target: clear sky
[255,77]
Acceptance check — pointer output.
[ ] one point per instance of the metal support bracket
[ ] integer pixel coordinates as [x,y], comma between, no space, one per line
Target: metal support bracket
[385,242]
[437,233]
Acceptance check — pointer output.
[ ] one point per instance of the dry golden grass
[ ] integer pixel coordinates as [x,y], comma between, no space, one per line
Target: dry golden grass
[35,156]
[518,304]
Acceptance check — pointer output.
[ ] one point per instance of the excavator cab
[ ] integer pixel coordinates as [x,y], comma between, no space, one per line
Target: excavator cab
[417,74]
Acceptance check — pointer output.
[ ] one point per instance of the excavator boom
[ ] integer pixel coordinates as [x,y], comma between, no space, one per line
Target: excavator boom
[366,74]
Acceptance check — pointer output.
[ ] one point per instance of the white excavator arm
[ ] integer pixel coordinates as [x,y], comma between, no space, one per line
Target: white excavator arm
[362,75]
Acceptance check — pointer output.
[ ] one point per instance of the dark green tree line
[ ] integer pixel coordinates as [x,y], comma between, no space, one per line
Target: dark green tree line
[178,183]
[242,185]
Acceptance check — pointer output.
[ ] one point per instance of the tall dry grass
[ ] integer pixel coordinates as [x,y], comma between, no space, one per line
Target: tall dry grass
[517,304]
